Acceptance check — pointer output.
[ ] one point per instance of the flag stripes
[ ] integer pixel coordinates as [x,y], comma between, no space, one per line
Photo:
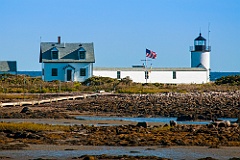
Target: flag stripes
[151,54]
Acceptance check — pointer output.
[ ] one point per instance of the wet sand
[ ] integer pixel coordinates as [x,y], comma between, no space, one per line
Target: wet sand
[69,152]
[76,122]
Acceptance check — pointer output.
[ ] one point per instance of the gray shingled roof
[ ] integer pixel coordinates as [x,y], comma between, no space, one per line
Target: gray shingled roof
[68,52]
[8,66]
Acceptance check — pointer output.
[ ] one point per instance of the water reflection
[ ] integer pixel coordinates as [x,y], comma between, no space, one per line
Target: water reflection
[171,152]
[151,119]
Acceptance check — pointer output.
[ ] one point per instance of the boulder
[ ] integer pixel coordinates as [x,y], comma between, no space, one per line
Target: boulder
[89,158]
[142,124]
[173,123]
[228,123]
[185,118]
[235,125]
[26,110]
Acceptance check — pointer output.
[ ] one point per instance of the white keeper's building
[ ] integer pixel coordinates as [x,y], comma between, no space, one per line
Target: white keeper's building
[74,62]
[198,73]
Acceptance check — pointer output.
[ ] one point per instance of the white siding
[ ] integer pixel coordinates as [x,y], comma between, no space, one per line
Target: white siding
[62,74]
[200,57]
[157,76]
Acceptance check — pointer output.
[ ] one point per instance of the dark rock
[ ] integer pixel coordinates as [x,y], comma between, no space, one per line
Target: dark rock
[234,125]
[89,158]
[210,125]
[165,125]
[142,124]
[21,135]
[185,118]
[173,123]
[207,158]
[26,110]
[224,124]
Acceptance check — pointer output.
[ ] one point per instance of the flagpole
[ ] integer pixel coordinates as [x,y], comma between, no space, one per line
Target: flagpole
[146,67]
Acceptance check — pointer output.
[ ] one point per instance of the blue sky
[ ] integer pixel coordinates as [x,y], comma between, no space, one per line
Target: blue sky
[122,29]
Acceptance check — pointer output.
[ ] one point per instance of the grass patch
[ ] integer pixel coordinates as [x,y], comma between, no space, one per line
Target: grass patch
[25,84]
[31,127]
[16,96]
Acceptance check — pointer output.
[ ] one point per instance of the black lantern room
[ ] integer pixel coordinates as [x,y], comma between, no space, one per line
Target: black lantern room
[200,43]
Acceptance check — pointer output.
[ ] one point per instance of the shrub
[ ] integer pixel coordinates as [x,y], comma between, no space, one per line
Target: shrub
[232,80]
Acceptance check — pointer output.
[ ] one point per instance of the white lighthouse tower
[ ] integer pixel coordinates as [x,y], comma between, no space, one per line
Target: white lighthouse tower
[200,55]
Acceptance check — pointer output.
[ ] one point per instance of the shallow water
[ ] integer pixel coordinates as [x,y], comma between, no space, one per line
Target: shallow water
[172,152]
[152,119]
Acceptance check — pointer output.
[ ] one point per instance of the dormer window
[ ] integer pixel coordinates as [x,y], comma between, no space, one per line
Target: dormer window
[54,53]
[82,53]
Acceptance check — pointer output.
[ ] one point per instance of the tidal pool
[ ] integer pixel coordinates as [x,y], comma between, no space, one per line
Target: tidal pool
[151,119]
[191,152]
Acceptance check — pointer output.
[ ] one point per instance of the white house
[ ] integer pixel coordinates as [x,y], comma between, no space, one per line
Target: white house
[66,61]
[198,73]
[9,67]
[156,75]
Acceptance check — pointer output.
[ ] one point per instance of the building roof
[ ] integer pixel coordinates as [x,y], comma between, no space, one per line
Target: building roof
[8,66]
[150,69]
[200,38]
[67,52]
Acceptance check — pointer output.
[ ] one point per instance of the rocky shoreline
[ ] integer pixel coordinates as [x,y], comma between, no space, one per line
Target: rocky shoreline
[193,106]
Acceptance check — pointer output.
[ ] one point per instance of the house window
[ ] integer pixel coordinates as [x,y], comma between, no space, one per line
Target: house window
[82,71]
[54,54]
[118,74]
[174,75]
[82,55]
[54,72]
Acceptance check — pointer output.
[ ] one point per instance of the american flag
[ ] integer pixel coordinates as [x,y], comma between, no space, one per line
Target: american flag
[151,54]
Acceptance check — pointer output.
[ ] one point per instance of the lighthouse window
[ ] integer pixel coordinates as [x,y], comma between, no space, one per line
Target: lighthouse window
[174,75]
[198,43]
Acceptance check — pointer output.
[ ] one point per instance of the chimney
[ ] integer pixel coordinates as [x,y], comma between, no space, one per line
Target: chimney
[59,39]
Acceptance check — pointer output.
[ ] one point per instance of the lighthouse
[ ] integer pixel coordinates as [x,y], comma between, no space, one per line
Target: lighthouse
[200,55]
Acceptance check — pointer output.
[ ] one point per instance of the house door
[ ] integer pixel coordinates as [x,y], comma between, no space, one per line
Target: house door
[69,75]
